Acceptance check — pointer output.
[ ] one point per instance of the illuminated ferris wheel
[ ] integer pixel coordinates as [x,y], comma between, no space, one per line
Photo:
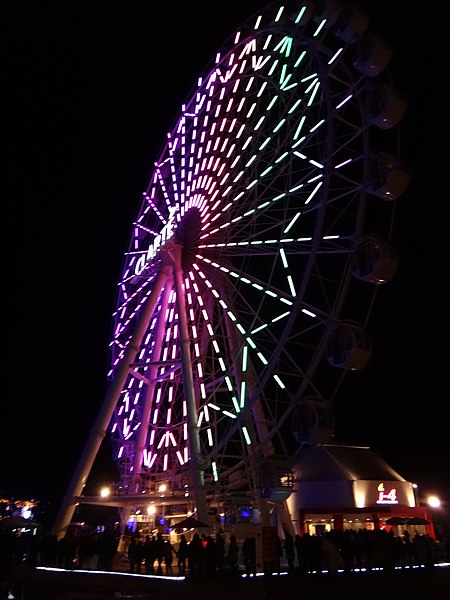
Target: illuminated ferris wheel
[263,231]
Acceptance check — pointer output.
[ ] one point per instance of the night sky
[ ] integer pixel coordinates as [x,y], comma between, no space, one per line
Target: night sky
[91,95]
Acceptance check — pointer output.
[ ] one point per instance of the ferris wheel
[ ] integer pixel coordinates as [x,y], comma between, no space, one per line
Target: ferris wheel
[262,237]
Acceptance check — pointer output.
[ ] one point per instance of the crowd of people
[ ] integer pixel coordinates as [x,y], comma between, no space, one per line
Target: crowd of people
[333,551]
[220,553]
[361,549]
[205,554]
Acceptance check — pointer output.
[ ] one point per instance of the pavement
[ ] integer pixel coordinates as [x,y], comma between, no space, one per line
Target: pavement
[30,583]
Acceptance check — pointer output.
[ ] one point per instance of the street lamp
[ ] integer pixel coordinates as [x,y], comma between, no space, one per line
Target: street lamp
[105,492]
[433,502]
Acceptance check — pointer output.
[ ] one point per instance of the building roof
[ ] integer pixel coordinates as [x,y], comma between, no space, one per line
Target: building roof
[335,462]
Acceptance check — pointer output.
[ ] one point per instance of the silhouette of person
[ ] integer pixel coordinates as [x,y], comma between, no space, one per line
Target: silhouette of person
[220,550]
[289,549]
[168,557]
[159,551]
[249,555]
[233,555]
[133,555]
[182,554]
[196,552]
[149,551]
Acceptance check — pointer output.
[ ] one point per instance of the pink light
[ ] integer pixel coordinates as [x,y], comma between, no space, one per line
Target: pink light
[204,211]
[220,171]
[217,203]
[243,65]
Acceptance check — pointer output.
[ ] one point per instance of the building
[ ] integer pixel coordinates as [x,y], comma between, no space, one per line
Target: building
[350,487]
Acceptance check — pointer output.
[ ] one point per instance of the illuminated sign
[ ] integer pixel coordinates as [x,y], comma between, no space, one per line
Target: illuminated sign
[386,498]
[165,234]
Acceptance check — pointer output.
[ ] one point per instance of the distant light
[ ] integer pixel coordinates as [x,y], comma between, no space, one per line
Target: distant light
[104,492]
[434,501]
[26,513]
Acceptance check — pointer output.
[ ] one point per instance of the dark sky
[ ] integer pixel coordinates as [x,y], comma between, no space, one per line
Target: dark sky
[90,97]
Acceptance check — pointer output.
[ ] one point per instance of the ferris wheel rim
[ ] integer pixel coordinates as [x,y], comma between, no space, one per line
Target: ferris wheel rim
[310,246]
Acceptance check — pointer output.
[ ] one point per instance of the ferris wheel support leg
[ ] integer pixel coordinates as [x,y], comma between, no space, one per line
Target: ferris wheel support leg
[197,471]
[143,430]
[98,431]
